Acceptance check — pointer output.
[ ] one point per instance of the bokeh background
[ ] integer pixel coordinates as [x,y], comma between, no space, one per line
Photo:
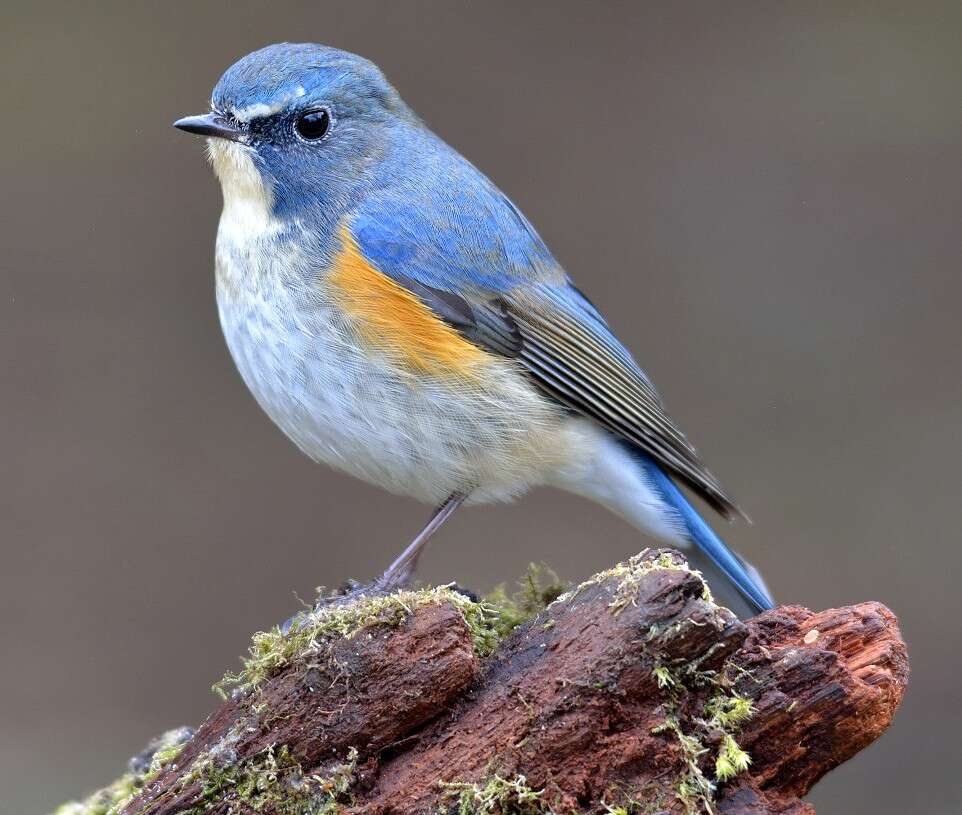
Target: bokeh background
[765,198]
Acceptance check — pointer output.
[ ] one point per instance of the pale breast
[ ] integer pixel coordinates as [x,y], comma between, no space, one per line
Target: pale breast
[343,403]
[425,431]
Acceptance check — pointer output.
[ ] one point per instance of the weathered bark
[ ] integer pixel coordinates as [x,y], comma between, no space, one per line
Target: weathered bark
[625,692]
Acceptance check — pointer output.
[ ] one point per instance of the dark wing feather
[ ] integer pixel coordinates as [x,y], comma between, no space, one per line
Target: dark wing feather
[484,324]
[583,368]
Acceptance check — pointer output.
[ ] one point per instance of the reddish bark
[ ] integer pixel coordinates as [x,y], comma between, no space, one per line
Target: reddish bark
[570,701]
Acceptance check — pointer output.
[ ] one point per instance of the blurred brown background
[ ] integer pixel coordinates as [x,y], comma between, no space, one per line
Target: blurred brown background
[765,200]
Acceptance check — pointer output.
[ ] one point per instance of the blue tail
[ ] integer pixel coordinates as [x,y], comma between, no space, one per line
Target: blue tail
[702,535]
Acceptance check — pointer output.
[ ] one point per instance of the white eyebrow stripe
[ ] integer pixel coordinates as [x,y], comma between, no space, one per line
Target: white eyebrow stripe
[261,109]
[258,111]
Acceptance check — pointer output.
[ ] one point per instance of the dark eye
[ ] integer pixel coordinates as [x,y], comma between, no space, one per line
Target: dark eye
[313,124]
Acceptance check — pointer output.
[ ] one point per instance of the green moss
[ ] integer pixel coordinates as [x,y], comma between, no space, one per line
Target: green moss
[726,712]
[109,800]
[693,789]
[538,589]
[498,794]
[723,714]
[495,794]
[629,575]
[664,677]
[272,780]
[161,759]
[731,759]
[649,800]
[314,631]
[144,768]
[721,717]
[634,569]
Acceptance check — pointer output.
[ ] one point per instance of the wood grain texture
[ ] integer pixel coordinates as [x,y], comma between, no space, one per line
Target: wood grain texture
[579,701]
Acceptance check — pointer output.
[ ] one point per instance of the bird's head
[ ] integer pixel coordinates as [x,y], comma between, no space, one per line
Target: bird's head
[298,125]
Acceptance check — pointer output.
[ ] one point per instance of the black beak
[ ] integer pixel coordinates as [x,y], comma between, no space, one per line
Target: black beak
[210,124]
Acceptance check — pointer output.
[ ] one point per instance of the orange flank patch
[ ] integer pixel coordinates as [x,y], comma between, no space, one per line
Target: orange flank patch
[394,321]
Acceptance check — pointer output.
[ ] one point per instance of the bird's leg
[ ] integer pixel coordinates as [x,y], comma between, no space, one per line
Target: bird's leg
[401,571]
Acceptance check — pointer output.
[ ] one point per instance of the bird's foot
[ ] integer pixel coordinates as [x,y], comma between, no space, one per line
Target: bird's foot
[348,592]
[399,575]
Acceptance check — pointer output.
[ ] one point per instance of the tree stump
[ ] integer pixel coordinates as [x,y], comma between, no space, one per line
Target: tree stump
[631,693]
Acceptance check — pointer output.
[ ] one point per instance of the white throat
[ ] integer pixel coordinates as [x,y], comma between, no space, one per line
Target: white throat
[248,200]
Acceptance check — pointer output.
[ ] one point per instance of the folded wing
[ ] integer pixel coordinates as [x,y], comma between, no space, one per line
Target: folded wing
[569,352]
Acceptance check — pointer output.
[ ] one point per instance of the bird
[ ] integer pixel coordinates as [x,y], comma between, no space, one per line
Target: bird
[401,320]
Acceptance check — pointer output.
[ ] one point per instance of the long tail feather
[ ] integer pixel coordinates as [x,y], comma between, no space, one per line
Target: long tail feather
[704,537]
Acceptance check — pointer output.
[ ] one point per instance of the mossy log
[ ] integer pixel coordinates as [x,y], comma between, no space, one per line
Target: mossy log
[631,693]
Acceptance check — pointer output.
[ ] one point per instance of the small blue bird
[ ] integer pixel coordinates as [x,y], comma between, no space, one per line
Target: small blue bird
[401,320]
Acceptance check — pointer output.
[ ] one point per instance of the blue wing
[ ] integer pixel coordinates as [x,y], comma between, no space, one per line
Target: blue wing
[445,231]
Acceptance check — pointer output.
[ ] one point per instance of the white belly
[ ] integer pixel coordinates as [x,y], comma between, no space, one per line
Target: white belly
[357,411]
